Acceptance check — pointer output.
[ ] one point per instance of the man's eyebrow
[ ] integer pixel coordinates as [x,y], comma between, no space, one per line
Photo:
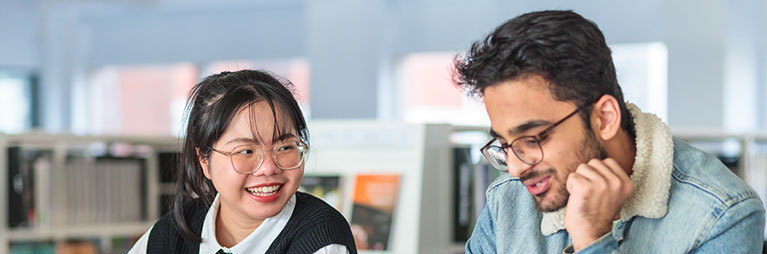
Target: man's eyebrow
[527,126]
[521,128]
[494,134]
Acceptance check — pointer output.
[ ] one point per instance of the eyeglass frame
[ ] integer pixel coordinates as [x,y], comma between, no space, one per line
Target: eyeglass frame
[263,152]
[538,139]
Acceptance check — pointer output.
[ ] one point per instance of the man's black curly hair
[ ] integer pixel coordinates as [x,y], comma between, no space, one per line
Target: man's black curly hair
[564,48]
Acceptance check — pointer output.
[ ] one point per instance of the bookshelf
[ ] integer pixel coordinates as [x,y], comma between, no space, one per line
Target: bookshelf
[65,188]
[419,153]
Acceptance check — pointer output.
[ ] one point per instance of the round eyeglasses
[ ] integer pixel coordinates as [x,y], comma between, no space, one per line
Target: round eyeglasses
[287,154]
[527,148]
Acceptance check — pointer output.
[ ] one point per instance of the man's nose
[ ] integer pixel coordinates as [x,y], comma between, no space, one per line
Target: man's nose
[515,165]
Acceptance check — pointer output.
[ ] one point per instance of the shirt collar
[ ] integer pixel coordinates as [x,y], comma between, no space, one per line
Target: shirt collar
[257,241]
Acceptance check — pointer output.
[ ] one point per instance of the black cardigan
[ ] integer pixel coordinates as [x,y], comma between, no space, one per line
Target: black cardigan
[313,225]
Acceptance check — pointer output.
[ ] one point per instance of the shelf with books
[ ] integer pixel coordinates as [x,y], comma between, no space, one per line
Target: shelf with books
[62,188]
[396,182]
[79,231]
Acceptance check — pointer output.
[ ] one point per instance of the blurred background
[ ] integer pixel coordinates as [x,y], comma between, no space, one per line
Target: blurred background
[88,84]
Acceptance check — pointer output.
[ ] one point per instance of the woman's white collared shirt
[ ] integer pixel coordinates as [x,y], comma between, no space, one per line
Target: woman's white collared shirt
[257,241]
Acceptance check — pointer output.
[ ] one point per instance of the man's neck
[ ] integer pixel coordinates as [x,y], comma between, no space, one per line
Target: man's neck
[622,148]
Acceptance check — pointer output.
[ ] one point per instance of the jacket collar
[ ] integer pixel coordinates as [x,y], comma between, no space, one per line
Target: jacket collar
[651,173]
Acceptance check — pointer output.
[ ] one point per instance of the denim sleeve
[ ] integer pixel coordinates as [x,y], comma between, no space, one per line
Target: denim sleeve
[739,229]
[604,244]
[482,239]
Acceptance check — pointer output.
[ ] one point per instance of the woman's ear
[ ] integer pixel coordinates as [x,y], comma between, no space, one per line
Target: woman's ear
[606,117]
[203,163]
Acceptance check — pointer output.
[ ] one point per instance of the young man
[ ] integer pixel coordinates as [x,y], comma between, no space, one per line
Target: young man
[588,172]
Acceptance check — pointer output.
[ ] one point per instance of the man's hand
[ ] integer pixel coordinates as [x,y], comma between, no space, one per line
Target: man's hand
[598,190]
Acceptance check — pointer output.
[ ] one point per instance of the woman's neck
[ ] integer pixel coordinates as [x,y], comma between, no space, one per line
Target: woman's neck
[232,227]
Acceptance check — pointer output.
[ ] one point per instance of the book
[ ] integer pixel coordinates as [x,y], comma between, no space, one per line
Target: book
[484,175]
[326,188]
[104,190]
[472,175]
[30,247]
[16,189]
[76,247]
[375,197]
[26,168]
[462,192]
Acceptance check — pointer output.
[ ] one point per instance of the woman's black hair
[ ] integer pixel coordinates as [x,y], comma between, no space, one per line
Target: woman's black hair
[212,105]
[564,48]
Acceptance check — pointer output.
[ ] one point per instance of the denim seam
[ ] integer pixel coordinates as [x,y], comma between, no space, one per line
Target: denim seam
[725,200]
[700,241]
[685,179]
[510,179]
[498,184]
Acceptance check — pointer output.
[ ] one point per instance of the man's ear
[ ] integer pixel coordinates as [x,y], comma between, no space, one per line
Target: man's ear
[203,163]
[606,117]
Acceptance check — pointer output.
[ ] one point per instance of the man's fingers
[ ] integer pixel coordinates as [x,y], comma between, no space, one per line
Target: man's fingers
[626,186]
[619,171]
[609,174]
[589,172]
[575,181]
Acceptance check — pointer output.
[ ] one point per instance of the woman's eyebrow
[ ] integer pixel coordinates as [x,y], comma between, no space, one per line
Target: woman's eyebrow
[283,137]
[242,140]
[255,141]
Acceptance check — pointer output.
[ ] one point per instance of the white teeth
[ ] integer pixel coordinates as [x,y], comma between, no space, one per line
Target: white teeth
[264,191]
[538,184]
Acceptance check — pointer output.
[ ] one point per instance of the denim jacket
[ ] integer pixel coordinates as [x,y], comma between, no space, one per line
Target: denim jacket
[684,201]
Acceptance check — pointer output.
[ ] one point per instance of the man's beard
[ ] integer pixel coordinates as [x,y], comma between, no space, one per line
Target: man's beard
[590,148]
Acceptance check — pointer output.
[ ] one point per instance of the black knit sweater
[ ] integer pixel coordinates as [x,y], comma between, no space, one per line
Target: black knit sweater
[313,225]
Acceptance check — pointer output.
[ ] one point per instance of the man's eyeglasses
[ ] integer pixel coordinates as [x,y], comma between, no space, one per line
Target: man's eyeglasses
[287,154]
[526,148]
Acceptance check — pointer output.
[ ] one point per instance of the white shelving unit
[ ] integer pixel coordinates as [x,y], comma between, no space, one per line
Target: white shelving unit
[49,190]
[420,153]
[79,232]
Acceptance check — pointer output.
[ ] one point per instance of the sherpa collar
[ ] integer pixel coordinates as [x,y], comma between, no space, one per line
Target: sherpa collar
[651,173]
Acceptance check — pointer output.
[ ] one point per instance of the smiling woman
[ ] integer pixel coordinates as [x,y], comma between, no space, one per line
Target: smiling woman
[241,165]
